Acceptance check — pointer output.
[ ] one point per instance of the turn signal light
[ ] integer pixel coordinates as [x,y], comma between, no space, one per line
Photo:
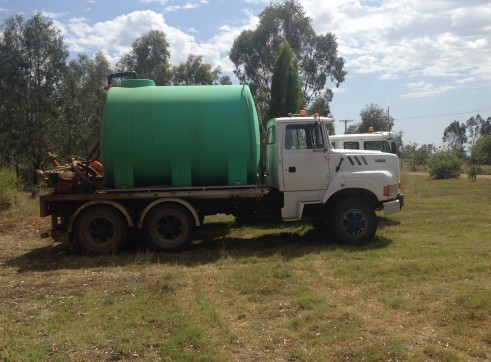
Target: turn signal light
[386,191]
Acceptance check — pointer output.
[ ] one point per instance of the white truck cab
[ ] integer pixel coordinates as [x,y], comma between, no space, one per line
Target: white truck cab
[346,186]
[381,141]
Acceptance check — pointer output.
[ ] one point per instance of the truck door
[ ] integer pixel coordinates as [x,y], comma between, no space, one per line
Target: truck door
[305,161]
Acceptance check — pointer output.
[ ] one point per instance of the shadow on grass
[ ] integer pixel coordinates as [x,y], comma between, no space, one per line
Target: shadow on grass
[213,242]
[383,223]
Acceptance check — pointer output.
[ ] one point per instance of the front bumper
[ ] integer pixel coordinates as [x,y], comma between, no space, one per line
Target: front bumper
[394,206]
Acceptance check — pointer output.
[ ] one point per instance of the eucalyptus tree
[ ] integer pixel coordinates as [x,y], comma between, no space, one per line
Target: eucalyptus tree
[455,135]
[149,57]
[83,103]
[32,82]
[13,92]
[374,116]
[254,52]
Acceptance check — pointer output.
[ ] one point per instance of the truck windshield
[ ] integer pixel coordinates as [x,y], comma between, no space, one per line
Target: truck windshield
[383,146]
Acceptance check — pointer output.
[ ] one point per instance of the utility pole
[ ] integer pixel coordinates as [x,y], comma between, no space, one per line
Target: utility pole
[346,121]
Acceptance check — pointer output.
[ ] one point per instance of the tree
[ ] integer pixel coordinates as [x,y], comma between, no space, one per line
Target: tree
[399,142]
[374,116]
[13,93]
[34,81]
[149,58]
[483,147]
[445,164]
[455,136]
[223,79]
[473,127]
[82,104]
[423,154]
[254,52]
[485,128]
[409,152]
[321,106]
[286,89]
[195,72]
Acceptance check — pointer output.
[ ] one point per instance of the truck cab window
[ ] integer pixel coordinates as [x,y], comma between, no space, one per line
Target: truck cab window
[303,136]
[383,146]
[352,145]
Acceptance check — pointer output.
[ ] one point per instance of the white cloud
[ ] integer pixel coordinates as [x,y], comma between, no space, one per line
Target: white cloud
[188,6]
[115,37]
[409,38]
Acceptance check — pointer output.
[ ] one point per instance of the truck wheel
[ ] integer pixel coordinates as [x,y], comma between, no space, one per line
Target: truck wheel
[101,229]
[169,227]
[353,221]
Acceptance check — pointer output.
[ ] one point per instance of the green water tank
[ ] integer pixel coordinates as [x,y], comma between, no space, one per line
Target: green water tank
[179,136]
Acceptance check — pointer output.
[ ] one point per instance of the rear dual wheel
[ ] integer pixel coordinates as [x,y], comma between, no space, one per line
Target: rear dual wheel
[169,227]
[101,229]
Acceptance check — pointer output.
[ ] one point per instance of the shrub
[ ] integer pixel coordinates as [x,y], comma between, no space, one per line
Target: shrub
[8,185]
[445,164]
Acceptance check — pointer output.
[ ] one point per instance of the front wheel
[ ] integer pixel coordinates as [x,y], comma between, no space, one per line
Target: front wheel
[169,227]
[353,221]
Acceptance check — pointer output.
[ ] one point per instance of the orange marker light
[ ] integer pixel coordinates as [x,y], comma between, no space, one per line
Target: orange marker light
[386,190]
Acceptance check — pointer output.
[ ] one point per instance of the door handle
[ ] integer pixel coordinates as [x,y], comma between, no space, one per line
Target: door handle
[292,169]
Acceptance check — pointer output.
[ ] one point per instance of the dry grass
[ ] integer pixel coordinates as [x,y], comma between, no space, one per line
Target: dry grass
[420,291]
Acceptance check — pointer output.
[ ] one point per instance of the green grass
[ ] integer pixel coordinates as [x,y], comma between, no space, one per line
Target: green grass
[420,291]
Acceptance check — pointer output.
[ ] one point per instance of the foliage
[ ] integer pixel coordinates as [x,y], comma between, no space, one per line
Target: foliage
[32,56]
[409,152]
[477,157]
[195,72]
[82,105]
[374,116]
[445,164]
[483,146]
[149,58]
[473,127]
[286,89]
[485,126]
[254,52]
[417,156]
[321,106]
[455,136]
[8,183]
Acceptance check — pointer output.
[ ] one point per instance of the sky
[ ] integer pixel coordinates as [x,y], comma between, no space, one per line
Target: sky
[428,62]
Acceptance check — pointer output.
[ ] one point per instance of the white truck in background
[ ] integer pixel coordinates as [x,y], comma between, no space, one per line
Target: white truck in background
[373,141]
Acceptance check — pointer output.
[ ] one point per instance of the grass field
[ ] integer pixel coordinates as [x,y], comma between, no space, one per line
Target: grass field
[420,291]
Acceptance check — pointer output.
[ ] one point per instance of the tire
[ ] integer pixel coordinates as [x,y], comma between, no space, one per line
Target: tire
[353,221]
[169,227]
[101,229]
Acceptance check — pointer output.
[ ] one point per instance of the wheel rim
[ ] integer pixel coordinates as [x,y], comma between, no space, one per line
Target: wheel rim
[354,223]
[169,228]
[101,230]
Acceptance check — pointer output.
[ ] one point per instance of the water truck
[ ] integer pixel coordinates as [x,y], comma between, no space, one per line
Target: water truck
[168,156]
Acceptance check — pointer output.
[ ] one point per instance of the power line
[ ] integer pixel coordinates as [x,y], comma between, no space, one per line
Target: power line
[446,114]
